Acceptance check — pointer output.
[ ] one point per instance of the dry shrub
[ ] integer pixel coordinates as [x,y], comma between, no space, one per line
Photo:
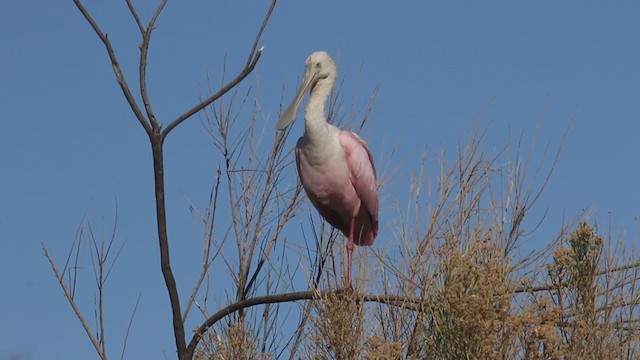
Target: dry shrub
[536,332]
[474,310]
[574,275]
[234,342]
[481,298]
[581,315]
[466,316]
[338,327]
[377,348]
[591,315]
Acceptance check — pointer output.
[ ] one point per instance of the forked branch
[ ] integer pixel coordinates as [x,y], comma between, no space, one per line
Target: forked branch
[74,306]
[144,51]
[117,70]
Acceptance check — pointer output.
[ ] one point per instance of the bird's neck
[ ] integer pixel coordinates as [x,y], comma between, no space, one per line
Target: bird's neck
[315,121]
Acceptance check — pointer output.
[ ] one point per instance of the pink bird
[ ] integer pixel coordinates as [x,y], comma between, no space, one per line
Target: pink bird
[335,166]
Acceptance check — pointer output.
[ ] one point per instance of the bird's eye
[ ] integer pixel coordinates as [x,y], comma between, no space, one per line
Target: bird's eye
[318,64]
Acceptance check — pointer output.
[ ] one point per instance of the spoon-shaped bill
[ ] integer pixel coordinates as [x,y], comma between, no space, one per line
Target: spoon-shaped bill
[290,114]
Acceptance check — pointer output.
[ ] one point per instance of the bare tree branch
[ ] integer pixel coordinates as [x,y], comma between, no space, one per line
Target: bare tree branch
[117,70]
[126,336]
[260,31]
[136,17]
[207,259]
[252,61]
[144,51]
[163,242]
[549,287]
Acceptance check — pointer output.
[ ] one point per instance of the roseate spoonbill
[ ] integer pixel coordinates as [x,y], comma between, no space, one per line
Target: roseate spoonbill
[335,166]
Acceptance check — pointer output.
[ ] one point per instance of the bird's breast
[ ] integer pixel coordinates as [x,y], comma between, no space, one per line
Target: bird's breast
[325,175]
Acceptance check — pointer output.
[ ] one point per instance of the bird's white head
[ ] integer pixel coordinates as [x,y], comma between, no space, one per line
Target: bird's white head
[322,66]
[319,69]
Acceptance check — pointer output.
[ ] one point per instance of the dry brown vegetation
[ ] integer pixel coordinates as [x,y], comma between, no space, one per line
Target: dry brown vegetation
[448,281]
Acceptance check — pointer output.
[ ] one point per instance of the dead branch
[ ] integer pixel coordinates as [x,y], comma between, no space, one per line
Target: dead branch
[74,306]
[117,70]
[207,259]
[126,335]
[144,51]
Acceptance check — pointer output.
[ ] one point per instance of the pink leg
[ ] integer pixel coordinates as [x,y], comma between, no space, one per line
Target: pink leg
[350,246]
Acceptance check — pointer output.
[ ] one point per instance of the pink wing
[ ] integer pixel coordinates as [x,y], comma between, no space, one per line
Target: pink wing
[363,178]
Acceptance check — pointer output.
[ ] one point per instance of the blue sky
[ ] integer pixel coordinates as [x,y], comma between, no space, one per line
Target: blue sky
[69,144]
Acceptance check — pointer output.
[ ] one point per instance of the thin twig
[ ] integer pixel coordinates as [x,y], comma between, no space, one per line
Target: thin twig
[207,260]
[136,17]
[74,306]
[126,336]
[260,31]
